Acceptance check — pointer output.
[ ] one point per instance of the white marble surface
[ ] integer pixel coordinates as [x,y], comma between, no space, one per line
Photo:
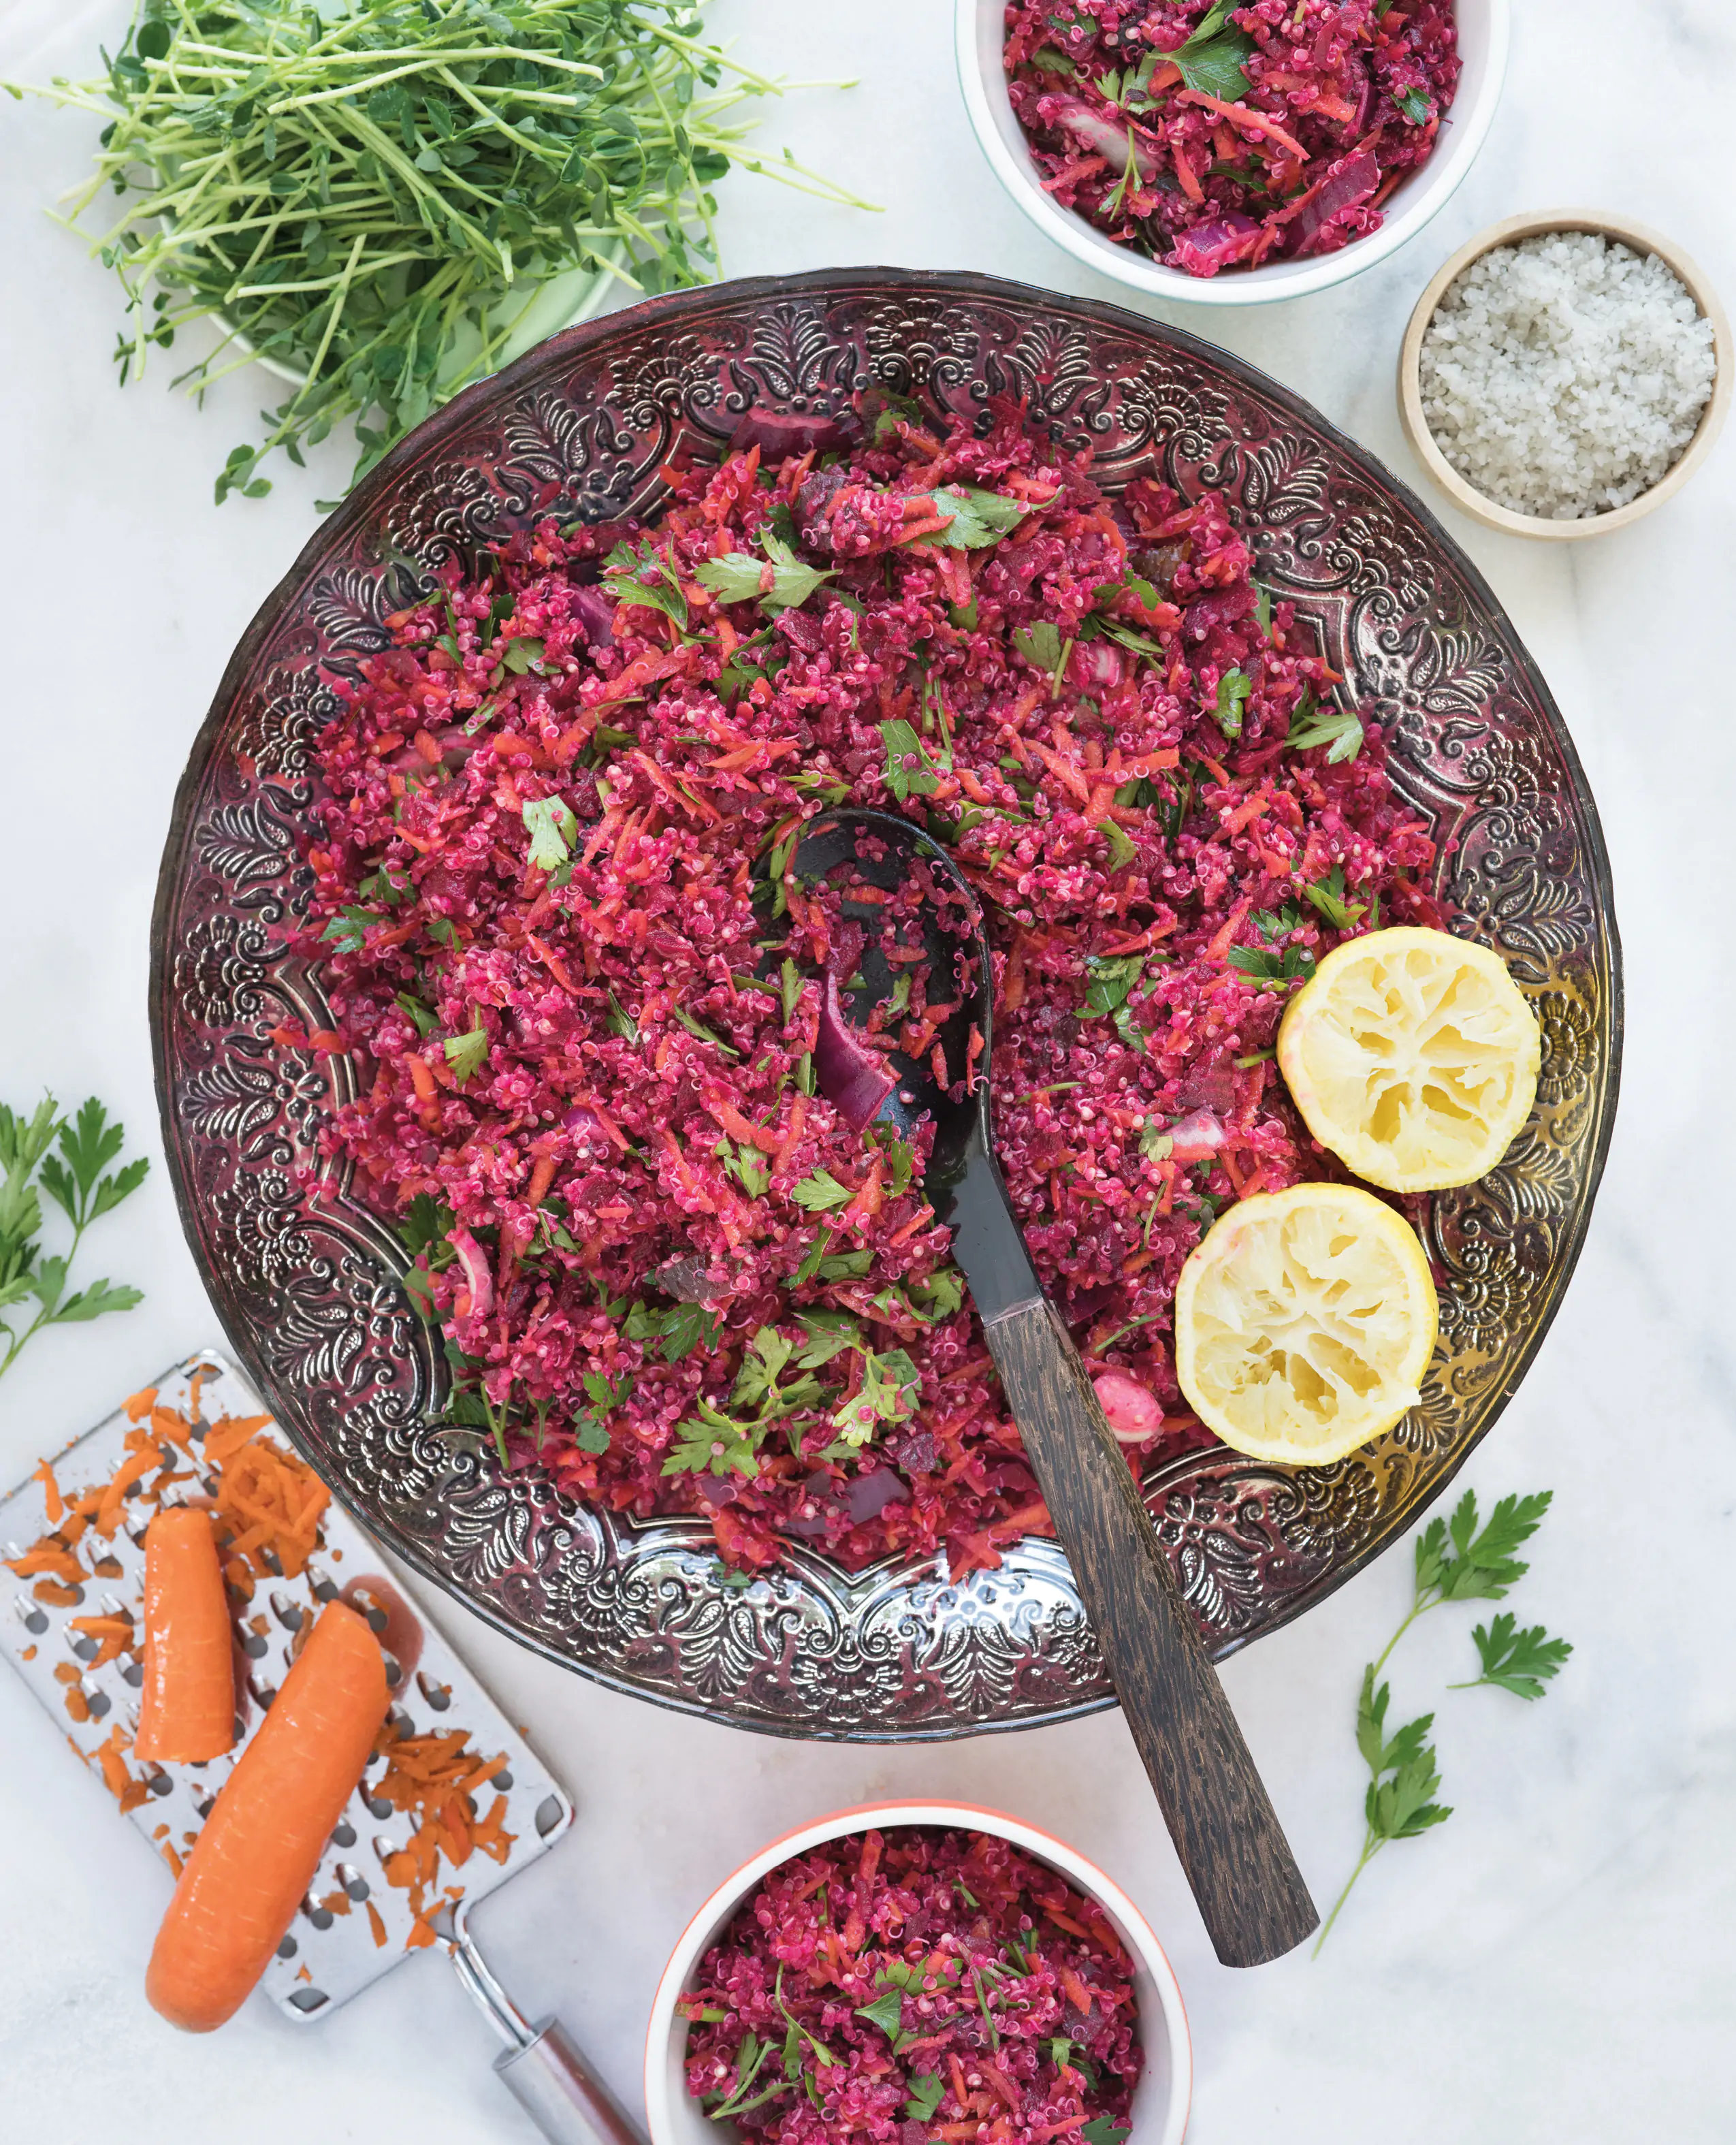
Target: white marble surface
[1555,1962]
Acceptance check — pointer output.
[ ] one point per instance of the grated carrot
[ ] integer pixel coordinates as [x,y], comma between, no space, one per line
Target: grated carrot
[51,1492]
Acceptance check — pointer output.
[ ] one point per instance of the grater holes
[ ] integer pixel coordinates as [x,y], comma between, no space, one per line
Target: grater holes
[287,1611]
[344,1836]
[353,1882]
[550,1815]
[288,1947]
[393,1673]
[263,1690]
[436,1695]
[321,1916]
[309,2000]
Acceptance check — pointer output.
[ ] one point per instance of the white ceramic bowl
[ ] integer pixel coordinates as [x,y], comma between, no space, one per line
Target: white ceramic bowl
[1166,2088]
[1484,30]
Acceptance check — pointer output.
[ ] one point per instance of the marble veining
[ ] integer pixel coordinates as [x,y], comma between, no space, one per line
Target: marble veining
[1557,1961]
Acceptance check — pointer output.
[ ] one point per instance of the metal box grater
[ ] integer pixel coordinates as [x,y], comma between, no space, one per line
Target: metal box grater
[327,1957]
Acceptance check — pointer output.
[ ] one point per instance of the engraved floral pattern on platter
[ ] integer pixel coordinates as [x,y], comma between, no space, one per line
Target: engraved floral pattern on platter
[306,1276]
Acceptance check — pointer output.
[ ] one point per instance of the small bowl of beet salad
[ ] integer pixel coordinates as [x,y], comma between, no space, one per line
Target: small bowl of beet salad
[1228,155]
[916,1971]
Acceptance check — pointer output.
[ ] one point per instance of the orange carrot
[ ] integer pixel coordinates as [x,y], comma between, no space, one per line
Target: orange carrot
[262,1841]
[187,1711]
[51,1491]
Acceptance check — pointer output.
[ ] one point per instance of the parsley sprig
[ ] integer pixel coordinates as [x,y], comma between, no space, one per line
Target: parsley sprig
[1515,1661]
[1325,723]
[1214,58]
[1456,1560]
[76,1178]
[1403,1781]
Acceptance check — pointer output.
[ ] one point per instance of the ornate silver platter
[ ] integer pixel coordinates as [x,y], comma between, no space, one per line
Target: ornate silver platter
[306,1279]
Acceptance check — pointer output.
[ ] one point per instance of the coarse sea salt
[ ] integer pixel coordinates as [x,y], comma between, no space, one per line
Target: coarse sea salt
[1564,375]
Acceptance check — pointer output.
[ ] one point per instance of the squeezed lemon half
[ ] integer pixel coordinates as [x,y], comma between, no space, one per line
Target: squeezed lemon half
[1413,1056]
[1304,1323]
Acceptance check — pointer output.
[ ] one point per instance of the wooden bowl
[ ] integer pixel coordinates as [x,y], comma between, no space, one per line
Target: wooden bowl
[1478,505]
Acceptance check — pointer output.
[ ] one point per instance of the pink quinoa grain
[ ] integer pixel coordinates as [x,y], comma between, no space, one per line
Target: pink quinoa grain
[584,991]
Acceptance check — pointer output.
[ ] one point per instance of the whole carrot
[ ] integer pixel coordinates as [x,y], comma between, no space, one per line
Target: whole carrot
[188,1709]
[262,1842]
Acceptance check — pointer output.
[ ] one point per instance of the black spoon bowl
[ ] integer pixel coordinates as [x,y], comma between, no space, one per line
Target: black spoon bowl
[1232,1850]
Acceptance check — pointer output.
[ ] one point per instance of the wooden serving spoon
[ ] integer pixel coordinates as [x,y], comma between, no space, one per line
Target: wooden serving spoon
[1250,1892]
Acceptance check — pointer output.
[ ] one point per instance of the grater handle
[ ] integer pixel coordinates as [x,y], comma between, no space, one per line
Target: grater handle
[550,2081]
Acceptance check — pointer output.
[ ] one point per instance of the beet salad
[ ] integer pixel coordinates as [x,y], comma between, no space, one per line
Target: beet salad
[587,995]
[916,1984]
[1215,137]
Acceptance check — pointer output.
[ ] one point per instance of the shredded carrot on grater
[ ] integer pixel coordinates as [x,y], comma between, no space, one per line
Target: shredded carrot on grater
[51,1491]
[431,1779]
[128,1791]
[272,1503]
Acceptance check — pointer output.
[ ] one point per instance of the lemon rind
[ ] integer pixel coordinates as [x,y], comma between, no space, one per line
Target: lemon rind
[1377,1422]
[1367,1156]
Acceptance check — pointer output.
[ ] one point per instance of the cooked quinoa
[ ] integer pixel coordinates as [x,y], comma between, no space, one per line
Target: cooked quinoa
[891,1973]
[560,930]
[1564,375]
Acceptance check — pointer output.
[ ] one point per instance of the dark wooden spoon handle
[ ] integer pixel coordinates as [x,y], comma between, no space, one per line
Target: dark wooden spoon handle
[1250,1893]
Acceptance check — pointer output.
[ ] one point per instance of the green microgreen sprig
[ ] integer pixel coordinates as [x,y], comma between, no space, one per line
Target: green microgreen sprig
[371,194]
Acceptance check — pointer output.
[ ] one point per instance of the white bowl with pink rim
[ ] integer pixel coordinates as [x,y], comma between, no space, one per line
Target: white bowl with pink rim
[1485,31]
[1165,2091]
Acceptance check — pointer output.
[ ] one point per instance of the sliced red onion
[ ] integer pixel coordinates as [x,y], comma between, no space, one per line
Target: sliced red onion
[1099,133]
[778,433]
[1348,184]
[1133,1412]
[854,1079]
[1364,95]
[595,607]
[1195,1137]
[869,1495]
[854,1502]
[1095,666]
[478,1280]
[1210,246]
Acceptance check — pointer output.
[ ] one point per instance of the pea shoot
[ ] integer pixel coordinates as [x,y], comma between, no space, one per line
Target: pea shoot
[372,195]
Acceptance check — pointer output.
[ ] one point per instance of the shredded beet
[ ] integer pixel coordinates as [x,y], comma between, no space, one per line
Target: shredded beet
[1214,137]
[674,1260]
[900,1986]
